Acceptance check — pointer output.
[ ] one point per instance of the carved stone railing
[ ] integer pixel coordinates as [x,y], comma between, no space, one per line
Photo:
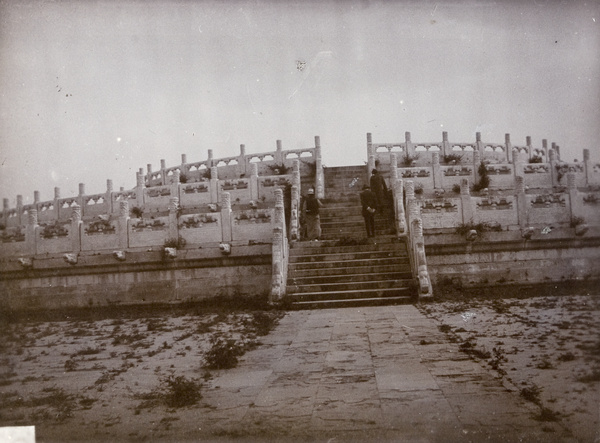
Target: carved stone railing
[416,242]
[280,251]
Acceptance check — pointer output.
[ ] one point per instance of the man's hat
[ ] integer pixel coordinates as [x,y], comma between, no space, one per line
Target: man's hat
[374,171]
[311,191]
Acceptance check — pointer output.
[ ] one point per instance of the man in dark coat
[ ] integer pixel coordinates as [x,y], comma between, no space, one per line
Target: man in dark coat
[379,188]
[368,202]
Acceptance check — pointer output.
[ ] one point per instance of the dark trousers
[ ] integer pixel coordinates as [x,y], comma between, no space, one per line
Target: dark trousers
[370,224]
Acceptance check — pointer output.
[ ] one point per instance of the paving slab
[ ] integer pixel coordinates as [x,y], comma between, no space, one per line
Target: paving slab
[382,373]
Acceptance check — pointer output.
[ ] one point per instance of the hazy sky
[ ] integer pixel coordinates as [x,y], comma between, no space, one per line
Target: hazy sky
[93,90]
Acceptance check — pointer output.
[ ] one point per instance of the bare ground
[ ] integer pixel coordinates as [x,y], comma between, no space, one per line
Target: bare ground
[135,378]
[547,347]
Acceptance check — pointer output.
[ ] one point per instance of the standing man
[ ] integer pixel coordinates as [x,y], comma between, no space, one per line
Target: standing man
[379,188]
[310,210]
[368,202]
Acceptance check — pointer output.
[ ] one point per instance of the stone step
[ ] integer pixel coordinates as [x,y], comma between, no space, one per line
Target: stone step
[353,232]
[311,248]
[343,256]
[351,303]
[347,264]
[352,295]
[344,271]
[347,286]
[349,278]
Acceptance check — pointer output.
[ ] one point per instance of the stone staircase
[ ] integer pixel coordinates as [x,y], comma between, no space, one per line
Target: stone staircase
[345,268]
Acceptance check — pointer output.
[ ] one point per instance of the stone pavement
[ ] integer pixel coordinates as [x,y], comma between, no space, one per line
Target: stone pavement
[365,374]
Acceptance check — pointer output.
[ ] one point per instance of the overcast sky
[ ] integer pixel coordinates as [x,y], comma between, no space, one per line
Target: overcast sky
[95,90]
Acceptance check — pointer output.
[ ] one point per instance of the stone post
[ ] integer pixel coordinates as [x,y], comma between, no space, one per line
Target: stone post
[214,184]
[522,207]
[437,171]
[588,167]
[36,197]
[149,169]
[254,182]
[175,185]
[209,162]
[278,153]
[370,166]
[139,189]
[20,216]
[75,232]
[399,206]
[163,173]
[369,146]
[465,200]
[409,187]
[320,177]
[123,224]
[226,219]
[56,204]
[545,149]
[410,149]
[446,149]
[5,209]
[553,162]
[479,144]
[476,163]
[80,197]
[31,232]
[108,196]
[295,208]
[393,169]
[278,263]
[242,164]
[519,164]
[557,150]
[279,216]
[508,147]
[173,218]
[529,148]
[184,166]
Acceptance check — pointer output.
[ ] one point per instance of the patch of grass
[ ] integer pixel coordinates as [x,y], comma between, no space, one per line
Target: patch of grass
[547,414]
[87,351]
[173,392]
[567,356]
[224,353]
[591,377]
[545,364]
[445,328]
[468,347]
[532,393]
[180,391]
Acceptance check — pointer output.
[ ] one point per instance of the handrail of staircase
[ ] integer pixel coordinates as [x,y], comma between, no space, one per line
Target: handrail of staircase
[280,251]
[408,223]
[416,241]
[295,202]
[319,174]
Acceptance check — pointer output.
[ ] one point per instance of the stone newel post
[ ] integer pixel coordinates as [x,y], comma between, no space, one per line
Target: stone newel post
[320,178]
[31,231]
[75,232]
[253,181]
[226,221]
[214,185]
[437,171]
[173,209]
[123,223]
[522,210]
[465,200]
